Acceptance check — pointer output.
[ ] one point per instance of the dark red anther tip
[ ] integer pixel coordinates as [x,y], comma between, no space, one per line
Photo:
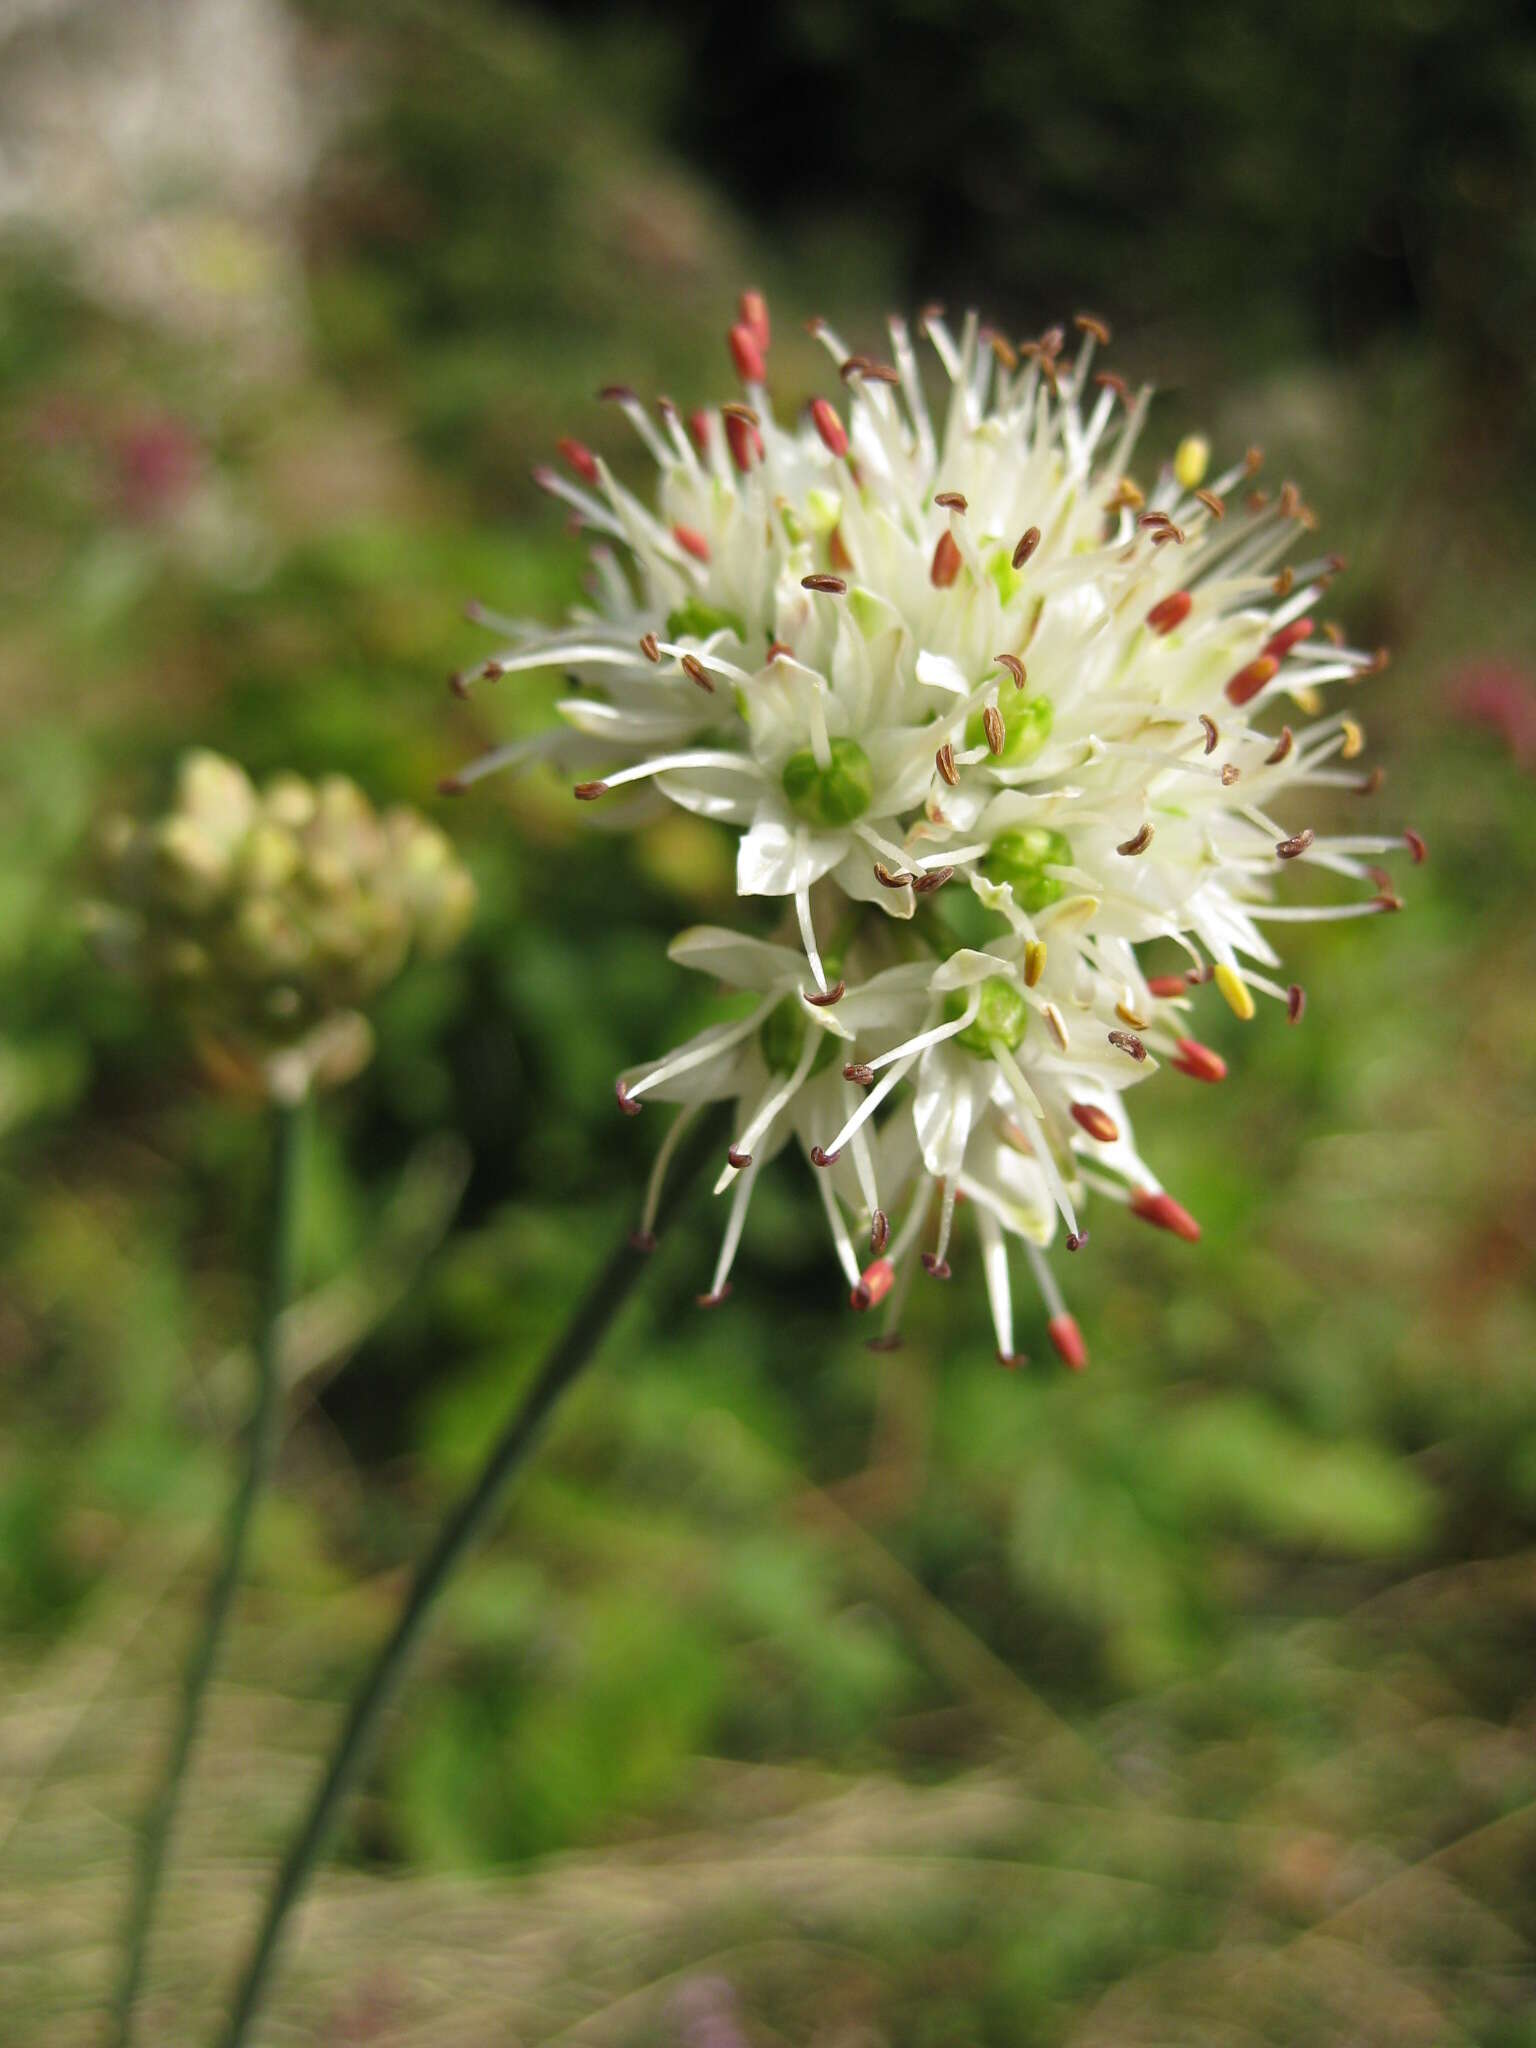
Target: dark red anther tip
[642,1241]
[451,785]
[1295,1002]
[1067,1339]
[822,1158]
[752,312]
[580,458]
[824,417]
[691,542]
[1288,637]
[589,792]
[626,1101]
[1165,1212]
[1012,1360]
[714,1300]
[1199,1062]
[698,429]
[825,998]
[857,1072]
[1028,541]
[746,355]
[1247,683]
[738,1159]
[946,563]
[1076,1239]
[458,683]
[1416,846]
[776,648]
[874,1284]
[939,1268]
[1170,611]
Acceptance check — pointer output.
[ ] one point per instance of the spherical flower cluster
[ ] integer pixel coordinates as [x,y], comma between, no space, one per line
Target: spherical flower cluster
[272,916]
[992,707]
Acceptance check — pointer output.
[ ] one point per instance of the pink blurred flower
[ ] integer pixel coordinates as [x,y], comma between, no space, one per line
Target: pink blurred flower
[1500,694]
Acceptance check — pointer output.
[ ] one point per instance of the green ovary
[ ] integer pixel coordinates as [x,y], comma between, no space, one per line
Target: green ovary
[781,1040]
[1021,857]
[831,796]
[1027,723]
[1001,1018]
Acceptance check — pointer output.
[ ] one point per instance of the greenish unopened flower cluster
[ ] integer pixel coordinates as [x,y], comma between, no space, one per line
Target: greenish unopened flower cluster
[271,916]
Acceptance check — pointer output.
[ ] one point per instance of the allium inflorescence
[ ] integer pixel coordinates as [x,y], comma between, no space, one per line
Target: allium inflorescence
[906,653]
[271,917]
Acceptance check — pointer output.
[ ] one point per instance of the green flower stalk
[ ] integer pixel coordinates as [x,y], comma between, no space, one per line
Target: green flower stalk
[268,918]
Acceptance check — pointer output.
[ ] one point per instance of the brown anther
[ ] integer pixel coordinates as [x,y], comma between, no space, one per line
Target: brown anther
[696,672]
[617,394]
[1090,323]
[1012,1361]
[1373,667]
[879,1232]
[1076,1239]
[1001,347]
[822,1158]
[937,1267]
[1052,342]
[589,792]
[732,409]
[1014,666]
[930,879]
[1212,733]
[824,998]
[1387,900]
[946,563]
[738,1159]
[458,682]
[776,648]
[853,366]
[1253,461]
[1230,773]
[1284,582]
[1281,748]
[1256,501]
[992,725]
[713,1300]
[861,1075]
[831,586]
[1380,877]
[492,671]
[1290,501]
[1138,842]
[1215,505]
[649,647]
[1415,845]
[1369,784]
[642,1241]
[1028,541]
[952,501]
[1295,1002]
[1291,849]
[1336,565]
[1111,380]
[1333,632]
[934,310]
[944,761]
[626,1101]
[1098,1123]
[1167,533]
[1154,519]
[1128,1042]
[891,878]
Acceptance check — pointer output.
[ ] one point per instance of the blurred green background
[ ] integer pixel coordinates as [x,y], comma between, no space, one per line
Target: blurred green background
[805,1694]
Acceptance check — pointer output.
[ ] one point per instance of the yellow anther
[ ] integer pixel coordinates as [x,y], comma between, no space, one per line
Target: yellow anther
[1129,1016]
[1354,739]
[1308,700]
[1034,962]
[1057,1022]
[1191,459]
[1235,989]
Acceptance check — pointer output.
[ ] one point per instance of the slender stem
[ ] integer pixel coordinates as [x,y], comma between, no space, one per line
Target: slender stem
[279,1233]
[573,1351]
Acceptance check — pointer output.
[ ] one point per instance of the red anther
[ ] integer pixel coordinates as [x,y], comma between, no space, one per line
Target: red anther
[1098,1123]
[829,426]
[714,1300]
[1165,1212]
[945,566]
[1010,1361]
[696,672]
[1288,637]
[752,310]
[1067,1339]
[875,1284]
[1076,1239]
[939,1268]
[739,1160]
[1295,1002]
[826,997]
[580,458]
[451,785]
[589,792]
[1028,541]
[879,1232]
[746,443]
[829,586]
[1199,1062]
[1166,984]
[698,429]
[1248,682]
[747,356]
[1416,847]
[626,1101]
[821,1158]
[1170,611]
[642,1241]
[691,542]
[861,1075]
[776,648]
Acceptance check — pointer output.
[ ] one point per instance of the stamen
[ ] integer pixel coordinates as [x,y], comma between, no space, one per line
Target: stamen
[1034,961]
[1282,748]
[649,647]
[944,761]
[1165,1212]
[1235,989]
[879,1231]
[1291,849]
[1199,1062]
[692,542]
[1295,1003]
[1247,683]
[994,728]
[696,672]
[946,563]
[1140,841]
[874,1284]
[1015,668]
[1028,541]
[1415,844]
[1098,1123]
[952,501]
[580,458]
[831,586]
[1067,1340]
[746,355]
[1212,733]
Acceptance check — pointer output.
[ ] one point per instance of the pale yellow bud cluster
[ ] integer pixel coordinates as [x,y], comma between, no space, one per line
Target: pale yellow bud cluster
[272,916]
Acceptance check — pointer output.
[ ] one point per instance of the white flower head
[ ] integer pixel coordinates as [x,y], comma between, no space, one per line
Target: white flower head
[901,652]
